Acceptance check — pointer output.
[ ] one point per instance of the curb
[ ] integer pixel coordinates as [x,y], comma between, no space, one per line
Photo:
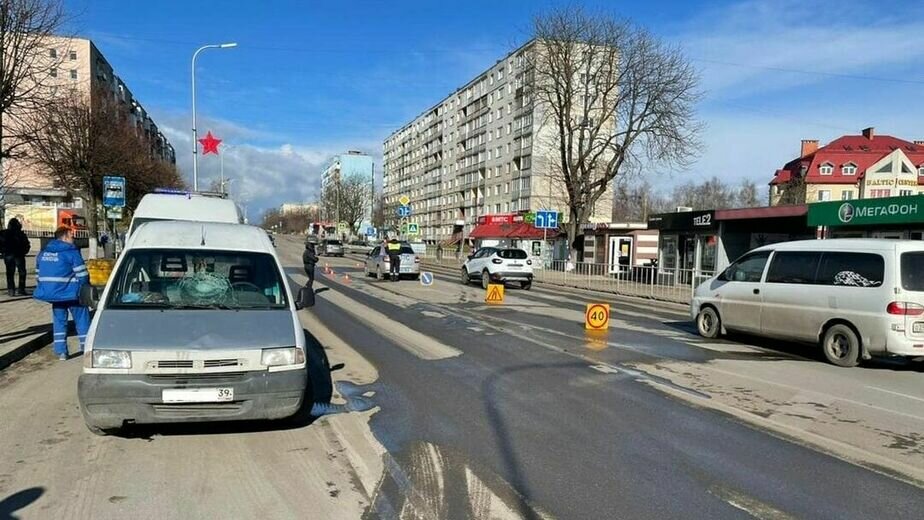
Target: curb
[23,350]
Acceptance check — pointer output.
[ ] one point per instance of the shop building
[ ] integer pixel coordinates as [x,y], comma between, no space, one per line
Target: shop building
[513,230]
[620,245]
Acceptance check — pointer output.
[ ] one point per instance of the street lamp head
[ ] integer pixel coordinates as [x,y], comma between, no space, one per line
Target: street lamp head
[228,45]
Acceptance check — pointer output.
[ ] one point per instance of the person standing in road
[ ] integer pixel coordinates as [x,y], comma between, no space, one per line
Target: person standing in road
[310,260]
[61,273]
[394,258]
[15,248]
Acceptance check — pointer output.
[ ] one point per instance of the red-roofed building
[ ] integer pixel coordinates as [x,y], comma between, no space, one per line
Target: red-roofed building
[851,167]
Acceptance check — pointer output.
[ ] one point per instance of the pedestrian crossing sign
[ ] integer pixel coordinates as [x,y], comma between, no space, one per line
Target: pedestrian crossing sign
[495,293]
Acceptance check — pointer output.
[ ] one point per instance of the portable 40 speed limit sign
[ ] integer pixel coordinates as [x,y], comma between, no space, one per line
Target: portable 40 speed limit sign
[597,316]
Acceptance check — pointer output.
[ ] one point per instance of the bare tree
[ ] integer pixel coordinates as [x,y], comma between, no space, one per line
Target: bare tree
[347,199]
[747,195]
[614,96]
[28,61]
[83,137]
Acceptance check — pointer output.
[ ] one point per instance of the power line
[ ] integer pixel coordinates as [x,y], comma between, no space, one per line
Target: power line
[811,72]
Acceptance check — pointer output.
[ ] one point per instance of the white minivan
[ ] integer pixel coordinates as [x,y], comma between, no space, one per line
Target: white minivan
[856,298]
[183,205]
[197,323]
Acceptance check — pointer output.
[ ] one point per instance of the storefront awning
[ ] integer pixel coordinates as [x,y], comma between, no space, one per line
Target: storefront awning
[514,230]
[796,210]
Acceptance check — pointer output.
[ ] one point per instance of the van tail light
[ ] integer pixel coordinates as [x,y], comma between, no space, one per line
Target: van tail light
[905,309]
[497,261]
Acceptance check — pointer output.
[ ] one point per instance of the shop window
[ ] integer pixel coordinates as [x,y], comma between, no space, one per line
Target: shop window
[707,254]
[668,252]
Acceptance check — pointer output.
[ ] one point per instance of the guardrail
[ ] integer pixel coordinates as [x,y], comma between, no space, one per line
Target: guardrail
[672,285]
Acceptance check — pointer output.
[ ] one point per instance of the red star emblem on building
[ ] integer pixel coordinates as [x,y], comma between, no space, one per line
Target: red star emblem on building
[210,144]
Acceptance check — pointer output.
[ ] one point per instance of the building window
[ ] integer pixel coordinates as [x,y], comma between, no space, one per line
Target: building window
[72,55]
[507,188]
[904,193]
[921,170]
[826,169]
[824,195]
[846,195]
[849,169]
[73,73]
[880,193]
[52,53]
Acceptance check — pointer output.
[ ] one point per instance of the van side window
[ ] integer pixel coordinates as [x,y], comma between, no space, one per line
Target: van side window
[913,271]
[851,269]
[793,267]
[748,268]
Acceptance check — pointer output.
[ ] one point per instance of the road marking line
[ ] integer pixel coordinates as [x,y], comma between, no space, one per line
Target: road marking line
[748,504]
[896,393]
[410,340]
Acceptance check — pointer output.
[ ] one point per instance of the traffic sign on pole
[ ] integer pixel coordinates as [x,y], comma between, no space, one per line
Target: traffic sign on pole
[547,219]
[404,211]
[413,228]
[404,200]
[114,192]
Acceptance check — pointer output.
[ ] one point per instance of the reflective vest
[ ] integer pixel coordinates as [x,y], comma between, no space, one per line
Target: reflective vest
[394,248]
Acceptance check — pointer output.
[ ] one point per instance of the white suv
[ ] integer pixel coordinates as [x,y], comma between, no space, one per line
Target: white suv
[499,265]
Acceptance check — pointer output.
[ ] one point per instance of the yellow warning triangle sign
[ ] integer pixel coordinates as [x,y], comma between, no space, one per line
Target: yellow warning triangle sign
[495,293]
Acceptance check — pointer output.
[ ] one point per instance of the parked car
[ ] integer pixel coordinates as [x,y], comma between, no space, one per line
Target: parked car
[359,246]
[499,265]
[855,298]
[147,359]
[378,264]
[330,247]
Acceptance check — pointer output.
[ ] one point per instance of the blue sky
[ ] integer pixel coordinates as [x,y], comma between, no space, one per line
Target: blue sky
[313,78]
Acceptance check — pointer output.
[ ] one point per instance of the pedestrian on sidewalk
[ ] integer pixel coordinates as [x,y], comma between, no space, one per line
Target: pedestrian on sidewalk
[310,260]
[15,248]
[61,273]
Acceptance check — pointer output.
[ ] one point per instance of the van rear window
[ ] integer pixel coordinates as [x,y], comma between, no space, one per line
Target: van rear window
[913,271]
[851,269]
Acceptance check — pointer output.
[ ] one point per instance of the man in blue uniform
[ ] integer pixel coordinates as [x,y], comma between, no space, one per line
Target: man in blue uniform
[61,273]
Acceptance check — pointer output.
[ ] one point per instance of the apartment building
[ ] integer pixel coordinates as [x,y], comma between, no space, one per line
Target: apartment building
[345,165]
[76,64]
[480,151]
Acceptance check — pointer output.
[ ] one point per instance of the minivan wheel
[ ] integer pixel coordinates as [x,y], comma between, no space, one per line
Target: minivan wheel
[708,323]
[841,345]
[465,279]
[485,279]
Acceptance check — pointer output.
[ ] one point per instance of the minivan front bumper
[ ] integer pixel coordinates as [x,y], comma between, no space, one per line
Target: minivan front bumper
[109,400]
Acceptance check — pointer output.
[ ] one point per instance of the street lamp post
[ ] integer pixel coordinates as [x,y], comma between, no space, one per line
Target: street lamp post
[195,135]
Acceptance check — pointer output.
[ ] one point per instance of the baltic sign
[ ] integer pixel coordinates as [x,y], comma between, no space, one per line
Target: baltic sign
[860,212]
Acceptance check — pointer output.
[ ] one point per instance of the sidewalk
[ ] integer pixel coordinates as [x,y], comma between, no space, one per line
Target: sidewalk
[30,276]
[25,326]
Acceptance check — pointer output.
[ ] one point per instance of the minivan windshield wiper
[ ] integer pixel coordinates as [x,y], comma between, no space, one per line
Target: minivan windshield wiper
[216,305]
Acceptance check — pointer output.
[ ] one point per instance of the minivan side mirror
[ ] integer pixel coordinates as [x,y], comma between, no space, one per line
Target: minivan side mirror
[88,296]
[305,298]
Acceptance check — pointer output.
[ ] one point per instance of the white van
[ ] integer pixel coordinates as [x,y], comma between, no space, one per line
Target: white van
[197,323]
[856,298]
[182,205]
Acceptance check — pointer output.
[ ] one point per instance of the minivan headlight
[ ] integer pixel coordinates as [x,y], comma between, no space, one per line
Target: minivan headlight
[274,357]
[112,359]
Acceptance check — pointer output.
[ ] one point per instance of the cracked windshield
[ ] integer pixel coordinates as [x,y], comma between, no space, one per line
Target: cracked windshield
[568,259]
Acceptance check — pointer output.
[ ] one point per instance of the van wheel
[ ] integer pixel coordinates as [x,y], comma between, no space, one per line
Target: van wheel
[465,279]
[708,323]
[841,345]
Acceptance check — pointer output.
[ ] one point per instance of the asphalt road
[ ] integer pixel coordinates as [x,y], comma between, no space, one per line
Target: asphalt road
[563,424]
[445,407]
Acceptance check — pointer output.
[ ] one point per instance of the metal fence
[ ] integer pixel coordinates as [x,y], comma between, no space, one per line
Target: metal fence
[673,285]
